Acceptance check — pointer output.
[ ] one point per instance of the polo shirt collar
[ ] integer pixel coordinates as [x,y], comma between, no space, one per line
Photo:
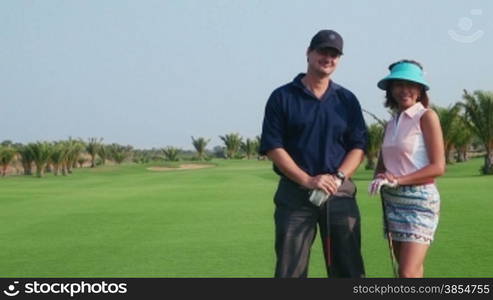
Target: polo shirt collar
[297,82]
[413,110]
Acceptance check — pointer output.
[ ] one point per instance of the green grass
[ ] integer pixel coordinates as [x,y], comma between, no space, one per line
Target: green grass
[126,221]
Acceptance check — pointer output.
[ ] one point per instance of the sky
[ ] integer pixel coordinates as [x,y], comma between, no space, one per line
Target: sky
[154,73]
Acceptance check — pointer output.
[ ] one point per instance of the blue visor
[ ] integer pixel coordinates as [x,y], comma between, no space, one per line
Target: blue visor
[404,71]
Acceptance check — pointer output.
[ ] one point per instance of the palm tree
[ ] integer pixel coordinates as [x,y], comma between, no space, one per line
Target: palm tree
[119,153]
[26,158]
[41,152]
[171,153]
[232,142]
[375,139]
[58,156]
[199,144]
[259,156]
[449,118]
[250,147]
[7,155]
[257,146]
[103,153]
[142,156]
[478,110]
[73,149]
[92,148]
[462,140]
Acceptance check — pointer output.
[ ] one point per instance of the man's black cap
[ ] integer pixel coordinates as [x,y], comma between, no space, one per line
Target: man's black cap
[327,38]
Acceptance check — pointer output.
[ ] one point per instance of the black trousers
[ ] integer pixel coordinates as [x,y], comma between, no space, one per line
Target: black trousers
[296,221]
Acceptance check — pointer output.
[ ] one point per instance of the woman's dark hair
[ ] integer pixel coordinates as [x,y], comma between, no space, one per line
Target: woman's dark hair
[390,102]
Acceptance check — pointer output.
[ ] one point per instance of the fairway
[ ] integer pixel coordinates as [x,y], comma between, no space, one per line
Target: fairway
[127,221]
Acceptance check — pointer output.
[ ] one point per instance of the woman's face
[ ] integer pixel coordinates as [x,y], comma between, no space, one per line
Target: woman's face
[406,93]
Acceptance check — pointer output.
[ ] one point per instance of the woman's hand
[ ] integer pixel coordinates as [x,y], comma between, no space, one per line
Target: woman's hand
[380,181]
[391,177]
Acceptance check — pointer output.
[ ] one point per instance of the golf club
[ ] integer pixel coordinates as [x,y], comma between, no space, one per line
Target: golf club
[393,260]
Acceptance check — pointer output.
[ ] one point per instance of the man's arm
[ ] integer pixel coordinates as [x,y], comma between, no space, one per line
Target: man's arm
[351,162]
[290,169]
[356,139]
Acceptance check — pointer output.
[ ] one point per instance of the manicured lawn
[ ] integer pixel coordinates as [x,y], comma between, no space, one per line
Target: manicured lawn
[127,221]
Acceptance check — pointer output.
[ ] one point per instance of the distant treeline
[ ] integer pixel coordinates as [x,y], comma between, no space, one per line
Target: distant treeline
[61,157]
[467,130]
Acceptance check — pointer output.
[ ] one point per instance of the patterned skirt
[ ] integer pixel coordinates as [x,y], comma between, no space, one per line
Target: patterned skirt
[411,212]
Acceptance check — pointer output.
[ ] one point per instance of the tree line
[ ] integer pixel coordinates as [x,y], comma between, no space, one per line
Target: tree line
[61,157]
[466,125]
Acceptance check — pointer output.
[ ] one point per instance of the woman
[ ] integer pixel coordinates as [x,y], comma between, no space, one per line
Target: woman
[412,156]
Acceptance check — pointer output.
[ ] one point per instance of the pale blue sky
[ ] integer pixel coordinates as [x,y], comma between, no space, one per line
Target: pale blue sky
[153,73]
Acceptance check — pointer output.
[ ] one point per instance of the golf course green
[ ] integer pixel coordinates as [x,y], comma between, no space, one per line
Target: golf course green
[129,221]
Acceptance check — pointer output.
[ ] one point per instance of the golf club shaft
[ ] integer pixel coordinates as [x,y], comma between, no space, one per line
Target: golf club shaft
[393,260]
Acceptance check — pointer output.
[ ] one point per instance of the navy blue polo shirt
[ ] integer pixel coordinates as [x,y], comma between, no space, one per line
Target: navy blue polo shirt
[316,133]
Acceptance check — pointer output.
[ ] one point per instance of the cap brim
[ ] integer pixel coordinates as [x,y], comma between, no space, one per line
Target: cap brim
[383,84]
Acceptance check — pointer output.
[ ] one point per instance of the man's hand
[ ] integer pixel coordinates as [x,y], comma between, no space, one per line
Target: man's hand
[325,182]
[330,182]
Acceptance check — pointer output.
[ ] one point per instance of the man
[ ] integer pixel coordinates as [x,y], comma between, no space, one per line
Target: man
[315,134]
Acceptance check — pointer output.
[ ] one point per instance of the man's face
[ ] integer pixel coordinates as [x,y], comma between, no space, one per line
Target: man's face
[323,61]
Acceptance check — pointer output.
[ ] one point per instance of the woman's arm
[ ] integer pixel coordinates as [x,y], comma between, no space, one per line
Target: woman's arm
[432,132]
